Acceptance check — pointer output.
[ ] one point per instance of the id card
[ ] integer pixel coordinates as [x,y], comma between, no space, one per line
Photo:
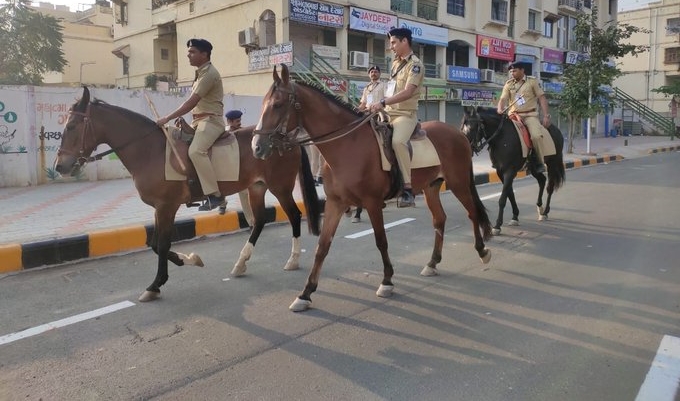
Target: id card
[519,100]
[391,86]
[369,99]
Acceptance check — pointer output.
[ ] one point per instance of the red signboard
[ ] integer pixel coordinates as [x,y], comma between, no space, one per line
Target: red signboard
[334,83]
[498,49]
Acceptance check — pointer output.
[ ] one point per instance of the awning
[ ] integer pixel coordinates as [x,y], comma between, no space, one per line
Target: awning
[122,51]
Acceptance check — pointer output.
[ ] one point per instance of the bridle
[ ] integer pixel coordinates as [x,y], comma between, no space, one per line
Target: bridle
[81,159]
[481,139]
[283,140]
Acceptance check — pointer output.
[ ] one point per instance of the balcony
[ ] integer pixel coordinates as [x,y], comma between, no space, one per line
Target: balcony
[155,4]
[572,7]
[402,6]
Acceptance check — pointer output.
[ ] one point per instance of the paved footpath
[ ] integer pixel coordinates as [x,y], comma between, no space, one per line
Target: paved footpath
[55,223]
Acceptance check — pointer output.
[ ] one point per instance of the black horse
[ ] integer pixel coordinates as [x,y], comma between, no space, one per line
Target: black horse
[486,127]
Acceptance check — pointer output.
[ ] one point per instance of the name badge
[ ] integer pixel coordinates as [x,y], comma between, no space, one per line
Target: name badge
[391,86]
[369,99]
[519,100]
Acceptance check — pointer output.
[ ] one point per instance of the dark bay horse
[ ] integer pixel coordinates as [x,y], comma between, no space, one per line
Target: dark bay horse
[140,145]
[486,126]
[353,173]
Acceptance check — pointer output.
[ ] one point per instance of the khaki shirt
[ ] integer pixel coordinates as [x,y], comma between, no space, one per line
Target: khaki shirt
[526,90]
[208,86]
[374,90]
[407,71]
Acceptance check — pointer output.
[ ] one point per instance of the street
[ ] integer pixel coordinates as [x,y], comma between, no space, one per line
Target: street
[573,308]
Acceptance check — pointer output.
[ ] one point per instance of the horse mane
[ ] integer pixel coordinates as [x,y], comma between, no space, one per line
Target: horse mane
[333,98]
[133,115]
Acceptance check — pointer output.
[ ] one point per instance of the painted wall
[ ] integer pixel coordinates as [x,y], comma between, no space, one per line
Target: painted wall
[32,121]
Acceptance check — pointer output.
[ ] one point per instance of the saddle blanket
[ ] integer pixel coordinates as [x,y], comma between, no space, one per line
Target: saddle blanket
[424,153]
[547,143]
[224,156]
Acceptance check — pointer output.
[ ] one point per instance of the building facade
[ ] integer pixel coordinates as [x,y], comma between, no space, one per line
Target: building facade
[661,64]
[88,41]
[464,44]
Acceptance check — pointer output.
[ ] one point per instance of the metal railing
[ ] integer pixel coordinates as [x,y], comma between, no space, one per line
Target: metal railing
[427,11]
[663,123]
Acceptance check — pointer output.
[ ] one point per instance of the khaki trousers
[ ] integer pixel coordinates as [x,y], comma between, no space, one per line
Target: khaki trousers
[536,130]
[404,122]
[207,132]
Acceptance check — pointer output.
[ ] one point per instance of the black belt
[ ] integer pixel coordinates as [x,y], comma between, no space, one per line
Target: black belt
[525,111]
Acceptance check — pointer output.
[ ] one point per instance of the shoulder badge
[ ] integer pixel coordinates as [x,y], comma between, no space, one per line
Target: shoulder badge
[416,69]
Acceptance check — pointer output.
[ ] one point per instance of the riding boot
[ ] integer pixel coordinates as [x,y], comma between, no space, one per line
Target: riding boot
[406,199]
[211,202]
[535,164]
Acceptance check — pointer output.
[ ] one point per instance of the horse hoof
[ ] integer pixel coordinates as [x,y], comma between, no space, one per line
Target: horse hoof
[384,291]
[291,266]
[429,271]
[486,256]
[300,305]
[356,219]
[542,217]
[195,260]
[540,210]
[495,231]
[238,270]
[148,296]
[513,222]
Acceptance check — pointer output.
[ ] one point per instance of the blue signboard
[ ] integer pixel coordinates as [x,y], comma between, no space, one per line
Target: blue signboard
[318,13]
[554,87]
[551,68]
[462,74]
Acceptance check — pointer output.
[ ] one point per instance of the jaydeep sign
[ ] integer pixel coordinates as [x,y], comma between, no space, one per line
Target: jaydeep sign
[371,21]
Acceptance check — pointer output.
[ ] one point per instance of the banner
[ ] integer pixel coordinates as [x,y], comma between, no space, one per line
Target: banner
[371,21]
[498,49]
[313,12]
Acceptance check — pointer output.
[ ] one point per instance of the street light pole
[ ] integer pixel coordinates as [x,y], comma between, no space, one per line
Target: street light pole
[82,63]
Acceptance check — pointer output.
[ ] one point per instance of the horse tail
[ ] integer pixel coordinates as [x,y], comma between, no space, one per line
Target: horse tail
[556,172]
[309,194]
[482,215]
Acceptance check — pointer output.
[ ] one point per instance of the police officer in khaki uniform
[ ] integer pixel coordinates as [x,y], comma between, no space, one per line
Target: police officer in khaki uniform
[524,95]
[374,92]
[205,104]
[401,103]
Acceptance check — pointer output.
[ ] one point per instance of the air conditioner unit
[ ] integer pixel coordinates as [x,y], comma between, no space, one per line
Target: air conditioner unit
[455,93]
[358,59]
[486,75]
[247,38]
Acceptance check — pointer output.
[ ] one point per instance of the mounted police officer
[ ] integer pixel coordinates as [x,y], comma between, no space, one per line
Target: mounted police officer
[401,103]
[205,104]
[524,96]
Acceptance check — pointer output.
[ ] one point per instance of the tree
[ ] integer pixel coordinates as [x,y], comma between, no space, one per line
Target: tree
[672,89]
[30,44]
[587,84]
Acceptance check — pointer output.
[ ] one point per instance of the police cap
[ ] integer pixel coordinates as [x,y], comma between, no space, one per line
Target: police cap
[375,67]
[233,114]
[516,64]
[201,44]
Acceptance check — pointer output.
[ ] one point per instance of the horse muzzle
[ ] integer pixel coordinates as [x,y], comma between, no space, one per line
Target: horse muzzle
[262,146]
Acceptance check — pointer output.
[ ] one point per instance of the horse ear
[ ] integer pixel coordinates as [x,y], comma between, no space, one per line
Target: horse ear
[275,75]
[84,100]
[285,75]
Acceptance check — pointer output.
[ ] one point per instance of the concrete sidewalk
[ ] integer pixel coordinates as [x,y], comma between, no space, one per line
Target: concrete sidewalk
[59,222]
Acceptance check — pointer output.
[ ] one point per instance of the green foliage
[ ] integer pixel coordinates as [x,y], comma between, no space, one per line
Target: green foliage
[150,81]
[672,89]
[31,44]
[51,173]
[587,84]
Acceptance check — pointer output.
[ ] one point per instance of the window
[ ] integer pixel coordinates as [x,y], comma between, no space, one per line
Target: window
[533,17]
[126,65]
[499,10]
[191,7]
[673,26]
[455,7]
[548,28]
[671,55]
[165,54]
[565,33]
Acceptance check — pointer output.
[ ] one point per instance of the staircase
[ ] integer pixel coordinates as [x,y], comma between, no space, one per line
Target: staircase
[319,68]
[630,106]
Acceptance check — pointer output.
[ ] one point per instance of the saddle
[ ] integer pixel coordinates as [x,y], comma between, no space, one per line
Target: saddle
[185,135]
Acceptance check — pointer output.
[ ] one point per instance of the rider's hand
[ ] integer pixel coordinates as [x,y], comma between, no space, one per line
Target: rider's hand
[376,107]
[162,121]
[499,111]
[546,120]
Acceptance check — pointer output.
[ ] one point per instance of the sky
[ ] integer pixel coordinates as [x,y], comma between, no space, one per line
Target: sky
[76,5]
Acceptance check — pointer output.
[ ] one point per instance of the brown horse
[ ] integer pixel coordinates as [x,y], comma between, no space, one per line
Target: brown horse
[140,145]
[355,176]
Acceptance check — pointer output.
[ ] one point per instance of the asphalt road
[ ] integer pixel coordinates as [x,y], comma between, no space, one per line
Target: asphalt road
[573,308]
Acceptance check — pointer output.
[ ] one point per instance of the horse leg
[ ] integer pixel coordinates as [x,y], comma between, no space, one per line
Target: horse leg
[357,215]
[375,214]
[333,211]
[467,195]
[164,219]
[434,203]
[513,205]
[507,191]
[539,202]
[256,194]
[294,214]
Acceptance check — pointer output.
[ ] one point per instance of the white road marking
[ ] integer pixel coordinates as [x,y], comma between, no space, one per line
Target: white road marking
[19,335]
[661,383]
[497,194]
[369,232]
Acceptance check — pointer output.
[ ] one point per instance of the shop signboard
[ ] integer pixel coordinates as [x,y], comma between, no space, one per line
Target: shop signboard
[371,21]
[317,13]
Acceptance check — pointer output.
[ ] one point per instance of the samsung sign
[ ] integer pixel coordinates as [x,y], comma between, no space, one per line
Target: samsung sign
[462,74]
